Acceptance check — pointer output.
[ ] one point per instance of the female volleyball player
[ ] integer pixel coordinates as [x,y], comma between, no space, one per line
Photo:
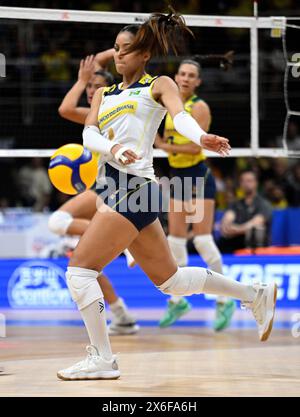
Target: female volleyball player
[73,217]
[130,114]
[186,160]
[88,81]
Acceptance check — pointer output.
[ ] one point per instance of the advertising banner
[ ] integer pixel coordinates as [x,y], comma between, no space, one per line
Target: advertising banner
[40,283]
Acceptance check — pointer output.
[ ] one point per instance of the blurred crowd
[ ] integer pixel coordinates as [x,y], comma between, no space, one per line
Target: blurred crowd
[42,67]
[278,181]
[27,184]
[43,57]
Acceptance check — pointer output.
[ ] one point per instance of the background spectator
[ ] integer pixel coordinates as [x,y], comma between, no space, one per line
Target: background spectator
[56,67]
[246,223]
[293,186]
[34,185]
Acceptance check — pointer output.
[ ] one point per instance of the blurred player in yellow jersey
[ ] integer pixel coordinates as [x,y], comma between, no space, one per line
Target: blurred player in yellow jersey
[186,160]
[73,217]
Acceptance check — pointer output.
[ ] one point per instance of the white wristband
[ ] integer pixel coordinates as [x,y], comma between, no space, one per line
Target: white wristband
[119,154]
[187,126]
[94,141]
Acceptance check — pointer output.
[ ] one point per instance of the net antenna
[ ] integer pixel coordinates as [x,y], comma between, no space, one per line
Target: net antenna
[294,67]
[253,24]
[254,74]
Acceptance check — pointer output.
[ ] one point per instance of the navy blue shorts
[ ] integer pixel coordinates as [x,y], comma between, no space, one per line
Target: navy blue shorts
[197,182]
[136,198]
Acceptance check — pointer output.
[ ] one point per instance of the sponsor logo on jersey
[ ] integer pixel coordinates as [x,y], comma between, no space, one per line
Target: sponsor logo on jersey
[134,93]
[114,112]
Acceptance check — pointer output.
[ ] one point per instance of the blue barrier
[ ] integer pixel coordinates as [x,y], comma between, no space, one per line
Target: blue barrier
[40,283]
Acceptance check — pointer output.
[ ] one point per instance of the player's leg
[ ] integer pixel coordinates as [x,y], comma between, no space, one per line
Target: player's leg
[206,247]
[73,218]
[177,239]
[203,239]
[77,212]
[152,253]
[107,234]
[122,322]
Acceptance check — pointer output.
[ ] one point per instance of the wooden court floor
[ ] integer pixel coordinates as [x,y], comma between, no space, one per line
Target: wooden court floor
[172,362]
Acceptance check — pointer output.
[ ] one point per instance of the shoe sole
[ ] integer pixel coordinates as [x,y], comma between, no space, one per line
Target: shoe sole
[267,333]
[59,376]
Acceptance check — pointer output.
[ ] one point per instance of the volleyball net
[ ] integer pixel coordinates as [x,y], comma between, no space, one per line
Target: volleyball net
[256,104]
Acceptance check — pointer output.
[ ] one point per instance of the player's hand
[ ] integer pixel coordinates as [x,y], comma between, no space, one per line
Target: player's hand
[86,68]
[216,144]
[127,157]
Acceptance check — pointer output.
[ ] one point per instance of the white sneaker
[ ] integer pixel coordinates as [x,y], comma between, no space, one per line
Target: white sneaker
[263,308]
[122,321]
[122,326]
[93,367]
[129,259]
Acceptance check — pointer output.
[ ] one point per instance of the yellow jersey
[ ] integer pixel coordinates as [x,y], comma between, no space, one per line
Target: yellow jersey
[182,160]
[56,65]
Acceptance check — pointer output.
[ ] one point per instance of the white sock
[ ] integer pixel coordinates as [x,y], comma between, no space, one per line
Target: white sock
[129,258]
[175,299]
[193,280]
[218,284]
[221,299]
[94,318]
[87,294]
[118,307]
[178,249]
[209,252]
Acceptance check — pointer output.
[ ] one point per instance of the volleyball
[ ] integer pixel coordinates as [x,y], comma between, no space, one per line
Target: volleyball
[72,169]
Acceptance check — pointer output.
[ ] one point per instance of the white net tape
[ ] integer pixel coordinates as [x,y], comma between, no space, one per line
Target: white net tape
[252,23]
[128,18]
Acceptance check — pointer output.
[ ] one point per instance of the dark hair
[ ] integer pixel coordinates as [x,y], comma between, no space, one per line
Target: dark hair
[106,75]
[223,61]
[133,29]
[158,34]
[192,62]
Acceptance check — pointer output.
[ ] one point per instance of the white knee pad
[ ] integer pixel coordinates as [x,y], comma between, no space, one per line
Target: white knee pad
[178,249]
[208,250]
[59,222]
[83,286]
[185,281]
